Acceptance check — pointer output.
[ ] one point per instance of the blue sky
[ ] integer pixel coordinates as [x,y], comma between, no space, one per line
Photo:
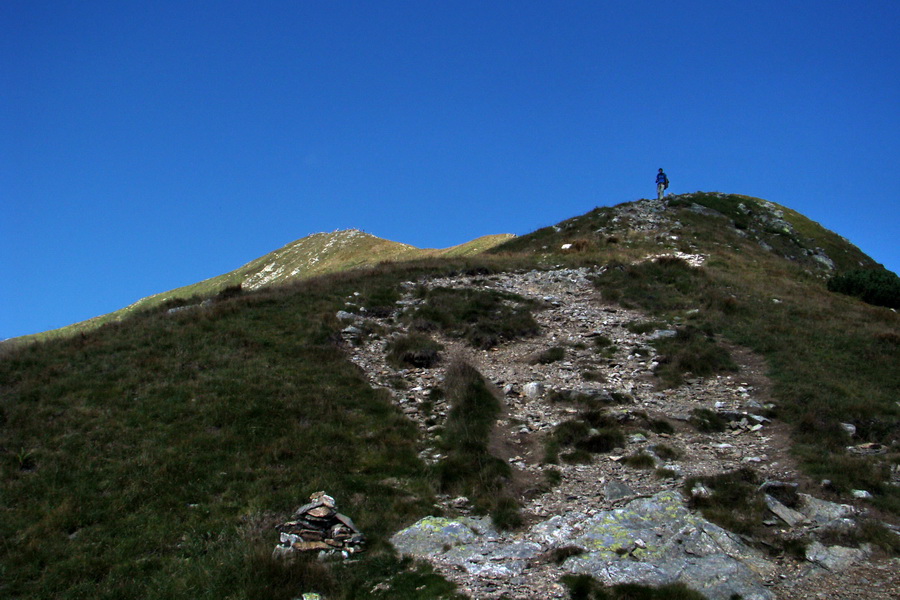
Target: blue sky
[150,145]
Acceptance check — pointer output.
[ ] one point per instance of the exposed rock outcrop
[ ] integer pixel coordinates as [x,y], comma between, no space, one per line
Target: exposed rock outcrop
[653,540]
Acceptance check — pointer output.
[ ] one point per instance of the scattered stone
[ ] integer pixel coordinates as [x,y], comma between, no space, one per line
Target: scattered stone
[849,428]
[662,333]
[701,491]
[534,389]
[616,490]
[489,565]
[861,494]
[866,449]
[789,516]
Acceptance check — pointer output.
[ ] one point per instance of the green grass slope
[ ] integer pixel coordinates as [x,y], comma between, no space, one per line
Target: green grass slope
[152,458]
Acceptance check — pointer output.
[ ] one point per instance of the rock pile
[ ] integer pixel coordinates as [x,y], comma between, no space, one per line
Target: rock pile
[318,526]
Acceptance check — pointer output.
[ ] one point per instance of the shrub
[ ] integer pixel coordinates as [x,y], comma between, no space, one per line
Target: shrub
[506,514]
[559,555]
[230,292]
[593,432]
[604,441]
[591,375]
[664,473]
[666,452]
[661,426]
[577,457]
[552,477]
[873,286]
[641,327]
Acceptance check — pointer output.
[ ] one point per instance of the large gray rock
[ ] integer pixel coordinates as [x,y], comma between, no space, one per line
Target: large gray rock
[534,389]
[494,559]
[470,543]
[435,535]
[835,558]
[656,540]
[616,490]
[822,512]
[652,541]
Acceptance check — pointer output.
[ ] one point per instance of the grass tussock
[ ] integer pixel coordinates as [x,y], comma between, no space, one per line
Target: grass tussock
[708,421]
[690,353]
[577,440]
[484,318]
[735,502]
[640,460]
[548,356]
[585,587]
[413,350]
[469,468]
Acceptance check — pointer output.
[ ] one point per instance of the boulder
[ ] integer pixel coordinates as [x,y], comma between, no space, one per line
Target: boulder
[835,558]
[822,512]
[345,316]
[789,516]
[657,540]
[436,535]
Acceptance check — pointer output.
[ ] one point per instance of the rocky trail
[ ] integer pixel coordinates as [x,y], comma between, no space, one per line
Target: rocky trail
[627,524]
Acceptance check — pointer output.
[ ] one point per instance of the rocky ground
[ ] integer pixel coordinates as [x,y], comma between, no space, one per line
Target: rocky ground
[574,317]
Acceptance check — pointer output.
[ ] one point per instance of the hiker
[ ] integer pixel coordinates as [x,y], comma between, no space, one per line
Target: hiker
[662,182]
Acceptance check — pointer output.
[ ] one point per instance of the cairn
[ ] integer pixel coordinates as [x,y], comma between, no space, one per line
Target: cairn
[318,526]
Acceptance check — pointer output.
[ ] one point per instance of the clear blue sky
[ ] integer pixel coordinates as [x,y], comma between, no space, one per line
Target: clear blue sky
[150,145]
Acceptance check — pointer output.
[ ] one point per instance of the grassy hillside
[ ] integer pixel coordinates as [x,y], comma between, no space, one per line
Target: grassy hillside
[151,457]
[314,255]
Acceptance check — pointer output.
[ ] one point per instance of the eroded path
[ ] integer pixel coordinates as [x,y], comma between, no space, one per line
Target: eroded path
[538,397]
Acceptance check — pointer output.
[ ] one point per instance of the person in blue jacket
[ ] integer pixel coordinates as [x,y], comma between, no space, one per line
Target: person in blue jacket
[662,182]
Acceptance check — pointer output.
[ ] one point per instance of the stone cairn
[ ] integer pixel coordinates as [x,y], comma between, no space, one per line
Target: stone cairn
[318,526]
